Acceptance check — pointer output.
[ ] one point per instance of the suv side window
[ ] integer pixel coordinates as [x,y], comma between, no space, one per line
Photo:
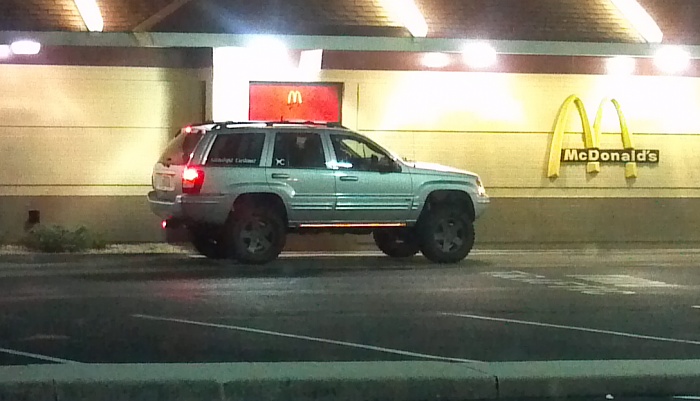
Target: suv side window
[237,150]
[357,154]
[298,150]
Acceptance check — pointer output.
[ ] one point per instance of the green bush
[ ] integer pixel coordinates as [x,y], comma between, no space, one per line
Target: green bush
[61,239]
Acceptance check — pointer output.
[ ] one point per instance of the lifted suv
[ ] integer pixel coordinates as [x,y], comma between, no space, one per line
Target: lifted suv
[239,188]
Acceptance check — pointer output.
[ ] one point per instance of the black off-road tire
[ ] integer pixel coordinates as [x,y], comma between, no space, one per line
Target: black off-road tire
[446,235]
[209,247]
[397,243]
[255,235]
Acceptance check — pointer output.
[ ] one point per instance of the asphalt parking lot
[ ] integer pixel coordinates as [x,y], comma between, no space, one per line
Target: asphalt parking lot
[495,306]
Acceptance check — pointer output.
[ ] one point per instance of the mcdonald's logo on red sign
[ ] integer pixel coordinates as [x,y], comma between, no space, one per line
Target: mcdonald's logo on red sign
[294,97]
[319,102]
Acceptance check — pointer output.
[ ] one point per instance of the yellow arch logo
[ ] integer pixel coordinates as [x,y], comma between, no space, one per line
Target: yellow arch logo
[294,97]
[592,154]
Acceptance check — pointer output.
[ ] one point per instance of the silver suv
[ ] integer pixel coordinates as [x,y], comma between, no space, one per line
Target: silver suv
[240,188]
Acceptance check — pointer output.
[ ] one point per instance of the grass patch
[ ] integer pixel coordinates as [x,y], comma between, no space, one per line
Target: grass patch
[56,239]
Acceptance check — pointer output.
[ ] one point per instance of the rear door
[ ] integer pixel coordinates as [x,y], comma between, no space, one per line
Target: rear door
[234,163]
[300,173]
[167,172]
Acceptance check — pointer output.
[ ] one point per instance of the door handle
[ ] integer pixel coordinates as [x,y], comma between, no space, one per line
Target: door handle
[349,178]
[280,175]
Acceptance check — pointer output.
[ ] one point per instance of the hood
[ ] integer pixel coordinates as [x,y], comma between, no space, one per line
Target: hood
[439,168]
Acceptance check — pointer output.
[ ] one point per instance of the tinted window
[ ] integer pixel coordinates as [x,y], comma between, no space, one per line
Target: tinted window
[180,148]
[298,150]
[242,150]
[357,154]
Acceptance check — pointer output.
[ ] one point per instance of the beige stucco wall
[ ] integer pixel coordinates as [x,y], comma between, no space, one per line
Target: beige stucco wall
[79,142]
[500,125]
[89,130]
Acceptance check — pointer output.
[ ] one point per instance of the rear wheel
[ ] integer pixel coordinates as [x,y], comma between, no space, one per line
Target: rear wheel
[446,236]
[208,244]
[397,243]
[256,235]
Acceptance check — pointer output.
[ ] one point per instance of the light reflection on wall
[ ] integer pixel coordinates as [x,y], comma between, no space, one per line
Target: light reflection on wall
[661,104]
[235,67]
[430,101]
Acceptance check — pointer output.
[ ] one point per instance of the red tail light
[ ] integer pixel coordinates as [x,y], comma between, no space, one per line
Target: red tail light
[192,180]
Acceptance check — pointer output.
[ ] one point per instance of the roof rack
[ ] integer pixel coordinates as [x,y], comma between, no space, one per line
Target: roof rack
[224,124]
[308,122]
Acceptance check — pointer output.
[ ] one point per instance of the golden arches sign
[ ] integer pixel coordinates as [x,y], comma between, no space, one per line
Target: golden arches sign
[592,154]
[294,97]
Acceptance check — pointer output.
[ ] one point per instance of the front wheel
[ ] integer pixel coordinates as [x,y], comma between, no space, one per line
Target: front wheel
[397,243]
[256,235]
[446,236]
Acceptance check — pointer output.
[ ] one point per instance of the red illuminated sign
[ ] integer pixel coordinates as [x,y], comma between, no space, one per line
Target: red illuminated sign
[295,102]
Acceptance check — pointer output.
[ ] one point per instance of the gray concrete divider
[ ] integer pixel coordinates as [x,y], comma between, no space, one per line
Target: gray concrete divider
[596,378]
[408,380]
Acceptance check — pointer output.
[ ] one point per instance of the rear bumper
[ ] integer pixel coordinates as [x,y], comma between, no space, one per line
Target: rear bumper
[209,209]
[166,210]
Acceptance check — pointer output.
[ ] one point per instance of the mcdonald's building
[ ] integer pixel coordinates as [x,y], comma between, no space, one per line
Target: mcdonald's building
[582,121]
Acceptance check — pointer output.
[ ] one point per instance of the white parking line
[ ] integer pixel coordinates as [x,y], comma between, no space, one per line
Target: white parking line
[36,356]
[307,338]
[575,328]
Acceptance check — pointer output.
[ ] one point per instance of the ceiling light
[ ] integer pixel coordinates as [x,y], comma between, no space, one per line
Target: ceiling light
[640,20]
[5,51]
[268,56]
[436,60]
[90,13]
[621,65]
[268,47]
[406,13]
[28,47]
[672,59]
[479,55]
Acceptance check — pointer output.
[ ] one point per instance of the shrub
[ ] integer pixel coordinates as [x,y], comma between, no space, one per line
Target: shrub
[61,239]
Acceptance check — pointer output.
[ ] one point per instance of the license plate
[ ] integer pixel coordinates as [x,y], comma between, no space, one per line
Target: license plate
[164,182]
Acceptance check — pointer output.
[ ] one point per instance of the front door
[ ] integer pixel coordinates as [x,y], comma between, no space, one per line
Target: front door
[371,187]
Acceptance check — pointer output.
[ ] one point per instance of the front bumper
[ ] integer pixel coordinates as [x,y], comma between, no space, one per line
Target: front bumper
[209,209]
[482,202]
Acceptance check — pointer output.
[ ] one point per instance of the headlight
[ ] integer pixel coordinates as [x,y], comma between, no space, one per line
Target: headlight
[480,190]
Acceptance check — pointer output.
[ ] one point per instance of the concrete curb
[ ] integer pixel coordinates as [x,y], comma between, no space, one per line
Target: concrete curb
[247,381]
[350,380]
[46,258]
[38,257]
[585,378]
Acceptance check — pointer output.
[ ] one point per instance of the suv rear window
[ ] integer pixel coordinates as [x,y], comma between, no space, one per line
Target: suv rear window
[180,148]
[242,150]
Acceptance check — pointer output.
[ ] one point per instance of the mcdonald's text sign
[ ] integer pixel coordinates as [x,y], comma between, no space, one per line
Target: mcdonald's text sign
[610,155]
[592,154]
